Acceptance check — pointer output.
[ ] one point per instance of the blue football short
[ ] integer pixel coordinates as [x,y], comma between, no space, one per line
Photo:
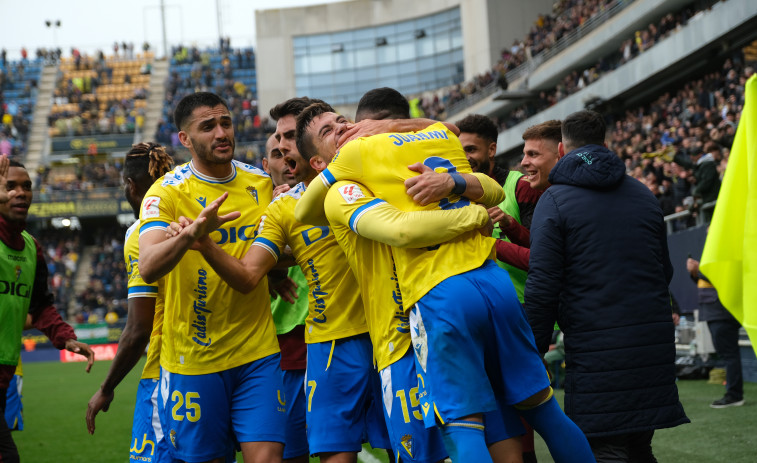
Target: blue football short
[402,391]
[203,415]
[13,407]
[502,423]
[472,342]
[343,397]
[148,442]
[294,393]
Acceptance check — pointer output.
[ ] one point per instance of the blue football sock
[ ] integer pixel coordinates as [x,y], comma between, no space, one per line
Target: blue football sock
[465,441]
[566,442]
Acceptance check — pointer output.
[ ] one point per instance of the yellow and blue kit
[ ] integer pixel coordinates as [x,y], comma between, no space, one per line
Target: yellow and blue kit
[148,441]
[340,379]
[380,163]
[210,327]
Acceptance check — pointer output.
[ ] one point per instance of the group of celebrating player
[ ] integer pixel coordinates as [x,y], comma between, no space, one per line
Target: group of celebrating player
[415,339]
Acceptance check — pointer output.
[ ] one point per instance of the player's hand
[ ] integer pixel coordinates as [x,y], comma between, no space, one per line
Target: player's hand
[80,348]
[286,288]
[283,188]
[99,401]
[212,219]
[692,265]
[429,186]
[487,229]
[676,319]
[5,163]
[364,128]
[499,216]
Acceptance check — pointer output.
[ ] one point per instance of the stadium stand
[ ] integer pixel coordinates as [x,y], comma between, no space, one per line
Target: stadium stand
[18,95]
[100,95]
[229,73]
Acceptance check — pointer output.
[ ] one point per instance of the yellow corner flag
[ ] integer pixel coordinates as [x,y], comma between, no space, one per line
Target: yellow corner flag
[729,259]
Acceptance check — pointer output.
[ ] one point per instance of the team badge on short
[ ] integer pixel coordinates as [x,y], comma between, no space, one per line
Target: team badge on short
[407,444]
[252,191]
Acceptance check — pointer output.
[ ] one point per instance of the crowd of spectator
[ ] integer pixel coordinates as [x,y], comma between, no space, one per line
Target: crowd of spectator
[547,30]
[100,95]
[106,292]
[225,71]
[567,16]
[17,96]
[639,42]
[679,144]
[83,176]
[62,248]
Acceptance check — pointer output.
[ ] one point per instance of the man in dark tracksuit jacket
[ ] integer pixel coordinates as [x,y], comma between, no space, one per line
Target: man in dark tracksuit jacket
[23,289]
[600,267]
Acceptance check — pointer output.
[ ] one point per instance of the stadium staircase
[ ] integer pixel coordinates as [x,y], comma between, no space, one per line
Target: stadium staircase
[39,136]
[83,269]
[157,93]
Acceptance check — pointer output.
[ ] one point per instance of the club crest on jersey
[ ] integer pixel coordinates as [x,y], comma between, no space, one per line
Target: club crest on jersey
[151,207]
[407,443]
[351,193]
[252,191]
[173,438]
[18,272]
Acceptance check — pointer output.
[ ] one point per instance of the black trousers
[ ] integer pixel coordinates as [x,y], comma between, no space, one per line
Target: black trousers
[623,448]
[725,338]
[8,450]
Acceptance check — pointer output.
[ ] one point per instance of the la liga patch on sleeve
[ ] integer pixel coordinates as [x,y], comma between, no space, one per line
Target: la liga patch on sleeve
[351,193]
[151,207]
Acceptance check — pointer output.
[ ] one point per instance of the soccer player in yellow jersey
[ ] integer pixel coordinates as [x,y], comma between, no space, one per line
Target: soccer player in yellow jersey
[469,331]
[220,375]
[373,265]
[144,164]
[340,381]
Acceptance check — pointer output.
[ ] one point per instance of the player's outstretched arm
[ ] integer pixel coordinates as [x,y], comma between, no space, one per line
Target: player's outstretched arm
[432,186]
[243,275]
[159,254]
[131,345]
[72,345]
[380,221]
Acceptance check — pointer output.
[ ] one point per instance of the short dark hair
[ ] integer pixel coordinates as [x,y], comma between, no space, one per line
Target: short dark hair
[14,163]
[382,103]
[304,141]
[549,130]
[583,128]
[292,106]
[193,101]
[480,125]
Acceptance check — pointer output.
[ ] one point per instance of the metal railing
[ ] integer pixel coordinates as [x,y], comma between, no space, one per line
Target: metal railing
[529,66]
[701,217]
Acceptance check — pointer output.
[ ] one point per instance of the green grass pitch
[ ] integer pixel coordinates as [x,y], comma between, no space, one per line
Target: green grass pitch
[56,395]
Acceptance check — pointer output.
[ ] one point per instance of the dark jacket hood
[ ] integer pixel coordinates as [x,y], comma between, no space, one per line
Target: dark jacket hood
[590,166]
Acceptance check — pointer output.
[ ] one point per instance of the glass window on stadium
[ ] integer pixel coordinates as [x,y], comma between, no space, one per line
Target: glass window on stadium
[412,56]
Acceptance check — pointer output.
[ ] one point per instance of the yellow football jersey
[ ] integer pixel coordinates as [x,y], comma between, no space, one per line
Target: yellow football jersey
[137,287]
[380,163]
[208,326]
[335,306]
[356,215]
